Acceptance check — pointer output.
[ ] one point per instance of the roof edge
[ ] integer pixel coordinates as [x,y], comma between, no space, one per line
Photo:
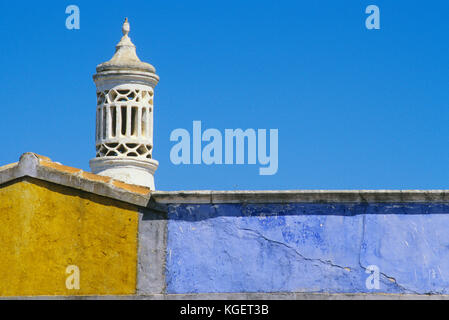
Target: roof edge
[41,167]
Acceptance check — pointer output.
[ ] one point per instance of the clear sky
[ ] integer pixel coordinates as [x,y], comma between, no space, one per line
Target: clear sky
[355,108]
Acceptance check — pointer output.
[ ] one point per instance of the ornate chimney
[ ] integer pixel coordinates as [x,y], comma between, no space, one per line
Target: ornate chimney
[124,130]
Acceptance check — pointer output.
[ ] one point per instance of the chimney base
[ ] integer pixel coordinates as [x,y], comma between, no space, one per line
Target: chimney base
[132,171]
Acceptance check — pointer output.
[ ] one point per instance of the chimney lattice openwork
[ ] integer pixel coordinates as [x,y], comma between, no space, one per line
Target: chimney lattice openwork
[125,122]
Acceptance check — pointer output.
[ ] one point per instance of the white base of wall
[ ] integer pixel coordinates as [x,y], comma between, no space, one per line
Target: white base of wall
[245,296]
[132,171]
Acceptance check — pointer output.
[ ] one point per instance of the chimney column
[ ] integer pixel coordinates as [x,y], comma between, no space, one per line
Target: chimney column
[124,125]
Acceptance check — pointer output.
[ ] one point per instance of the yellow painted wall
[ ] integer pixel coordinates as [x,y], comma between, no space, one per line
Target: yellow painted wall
[44,228]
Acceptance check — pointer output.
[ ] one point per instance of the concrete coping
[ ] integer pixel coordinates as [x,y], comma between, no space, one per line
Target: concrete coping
[306,196]
[41,167]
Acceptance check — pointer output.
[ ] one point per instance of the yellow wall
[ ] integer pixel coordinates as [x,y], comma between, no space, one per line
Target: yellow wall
[46,227]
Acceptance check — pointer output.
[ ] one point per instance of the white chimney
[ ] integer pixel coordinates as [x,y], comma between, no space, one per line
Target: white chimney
[124,130]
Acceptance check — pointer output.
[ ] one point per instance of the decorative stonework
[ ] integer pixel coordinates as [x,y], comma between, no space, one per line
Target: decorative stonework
[124,126]
[125,123]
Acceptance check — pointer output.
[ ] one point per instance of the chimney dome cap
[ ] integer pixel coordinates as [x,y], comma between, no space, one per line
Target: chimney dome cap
[125,56]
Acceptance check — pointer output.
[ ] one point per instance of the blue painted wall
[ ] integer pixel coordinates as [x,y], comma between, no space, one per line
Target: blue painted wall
[305,247]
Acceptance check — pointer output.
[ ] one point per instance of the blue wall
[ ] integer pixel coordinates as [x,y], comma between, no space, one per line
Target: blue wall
[305,247]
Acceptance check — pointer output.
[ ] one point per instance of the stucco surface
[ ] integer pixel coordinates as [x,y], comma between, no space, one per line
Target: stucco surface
[307,247]
[128,242]
[46,227]
[152,244]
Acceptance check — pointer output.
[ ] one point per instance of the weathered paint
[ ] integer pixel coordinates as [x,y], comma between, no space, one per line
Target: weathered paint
[152,244]
[223,248]
[45,227]
[308,247]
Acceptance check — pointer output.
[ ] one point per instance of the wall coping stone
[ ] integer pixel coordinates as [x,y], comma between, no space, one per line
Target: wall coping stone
[298,196]
[40,167]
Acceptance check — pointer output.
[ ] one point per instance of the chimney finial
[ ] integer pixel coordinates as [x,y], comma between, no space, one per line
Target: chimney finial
[125,27]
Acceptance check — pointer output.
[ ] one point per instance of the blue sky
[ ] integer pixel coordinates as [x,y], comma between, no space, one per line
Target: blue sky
[355,108]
